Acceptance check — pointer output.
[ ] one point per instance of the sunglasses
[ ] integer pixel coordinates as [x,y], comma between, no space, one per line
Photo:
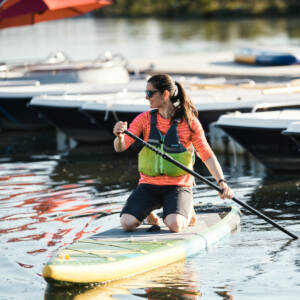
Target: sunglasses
[150,93]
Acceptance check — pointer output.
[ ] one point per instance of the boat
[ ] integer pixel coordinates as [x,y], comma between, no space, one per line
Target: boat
[293,131]
[90,118]
[66,114]
[261,57]
[210,104]
[58,68]
[14,100]
[222,143]
[52,59]
[115,254]
[7,83]
[260,133]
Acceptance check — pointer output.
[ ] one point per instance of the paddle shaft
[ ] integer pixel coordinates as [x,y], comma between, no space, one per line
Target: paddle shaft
[203,179]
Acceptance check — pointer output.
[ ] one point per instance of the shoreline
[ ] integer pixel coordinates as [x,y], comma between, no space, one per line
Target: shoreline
[207,17]
[188,11]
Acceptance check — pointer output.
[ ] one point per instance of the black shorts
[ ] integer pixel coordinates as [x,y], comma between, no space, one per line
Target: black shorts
[148,197]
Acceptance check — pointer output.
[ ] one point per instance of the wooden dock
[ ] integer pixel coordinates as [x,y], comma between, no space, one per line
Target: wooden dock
[212,64]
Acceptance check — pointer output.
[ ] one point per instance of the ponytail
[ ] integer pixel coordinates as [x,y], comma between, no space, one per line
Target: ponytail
[184,107]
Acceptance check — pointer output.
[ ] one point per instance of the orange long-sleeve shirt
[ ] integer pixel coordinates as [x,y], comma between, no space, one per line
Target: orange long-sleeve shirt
[141,126]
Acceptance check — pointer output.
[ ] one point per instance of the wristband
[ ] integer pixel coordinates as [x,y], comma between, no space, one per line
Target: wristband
[222,180]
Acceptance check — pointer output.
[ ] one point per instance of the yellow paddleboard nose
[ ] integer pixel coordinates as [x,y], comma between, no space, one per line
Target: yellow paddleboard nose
[47,271]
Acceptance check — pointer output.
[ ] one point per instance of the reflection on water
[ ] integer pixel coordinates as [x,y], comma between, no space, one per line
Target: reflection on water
[21,145]
[45,204]
[277,195]
[49,199]
[250,265]
[224,30]
[148,37]
[107,168]
[172,282]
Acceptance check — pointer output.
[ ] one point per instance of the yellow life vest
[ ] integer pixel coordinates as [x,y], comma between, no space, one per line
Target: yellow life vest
[152,164]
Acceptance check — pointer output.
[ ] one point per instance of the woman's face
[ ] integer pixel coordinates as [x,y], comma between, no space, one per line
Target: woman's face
[154,96]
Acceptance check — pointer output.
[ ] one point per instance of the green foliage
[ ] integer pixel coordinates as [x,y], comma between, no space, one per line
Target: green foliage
[186,8]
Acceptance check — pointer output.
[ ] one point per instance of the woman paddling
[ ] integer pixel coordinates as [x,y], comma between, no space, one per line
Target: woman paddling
[172,126]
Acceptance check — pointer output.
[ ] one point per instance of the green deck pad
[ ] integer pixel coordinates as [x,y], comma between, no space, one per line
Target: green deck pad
[141,233]
[205,213]
[99,252]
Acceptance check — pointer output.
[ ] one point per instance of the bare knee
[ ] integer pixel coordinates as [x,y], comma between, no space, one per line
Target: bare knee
[175,222]
[129,222]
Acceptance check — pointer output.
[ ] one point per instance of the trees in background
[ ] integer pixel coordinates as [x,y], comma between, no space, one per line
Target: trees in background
[205,8]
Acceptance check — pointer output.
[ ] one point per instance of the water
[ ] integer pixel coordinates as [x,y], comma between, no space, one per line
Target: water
[49,199]
[86,37]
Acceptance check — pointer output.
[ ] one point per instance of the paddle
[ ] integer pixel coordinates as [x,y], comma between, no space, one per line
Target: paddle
[192,172]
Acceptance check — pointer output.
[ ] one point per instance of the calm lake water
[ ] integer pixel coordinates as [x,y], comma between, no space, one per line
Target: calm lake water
[49,199]
[86,37]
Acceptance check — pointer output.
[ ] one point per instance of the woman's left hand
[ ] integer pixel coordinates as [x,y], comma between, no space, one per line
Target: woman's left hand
[227,191]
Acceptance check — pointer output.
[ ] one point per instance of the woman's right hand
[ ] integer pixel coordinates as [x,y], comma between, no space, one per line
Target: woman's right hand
[119,129]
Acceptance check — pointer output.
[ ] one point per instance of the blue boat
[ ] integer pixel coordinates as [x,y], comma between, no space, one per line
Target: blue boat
[264,57]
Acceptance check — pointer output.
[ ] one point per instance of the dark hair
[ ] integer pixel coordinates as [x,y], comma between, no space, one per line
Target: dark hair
[184,108]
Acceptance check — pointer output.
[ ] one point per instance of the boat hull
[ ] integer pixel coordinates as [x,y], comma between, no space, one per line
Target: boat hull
[268,145]
[15,114]
[94,75]
[106,120]
[74,123]
[293,132]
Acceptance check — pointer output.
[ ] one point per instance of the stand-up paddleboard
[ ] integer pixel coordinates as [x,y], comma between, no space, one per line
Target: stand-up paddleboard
[115,254]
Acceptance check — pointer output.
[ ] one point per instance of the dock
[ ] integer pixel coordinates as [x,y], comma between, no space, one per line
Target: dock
[212,64]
